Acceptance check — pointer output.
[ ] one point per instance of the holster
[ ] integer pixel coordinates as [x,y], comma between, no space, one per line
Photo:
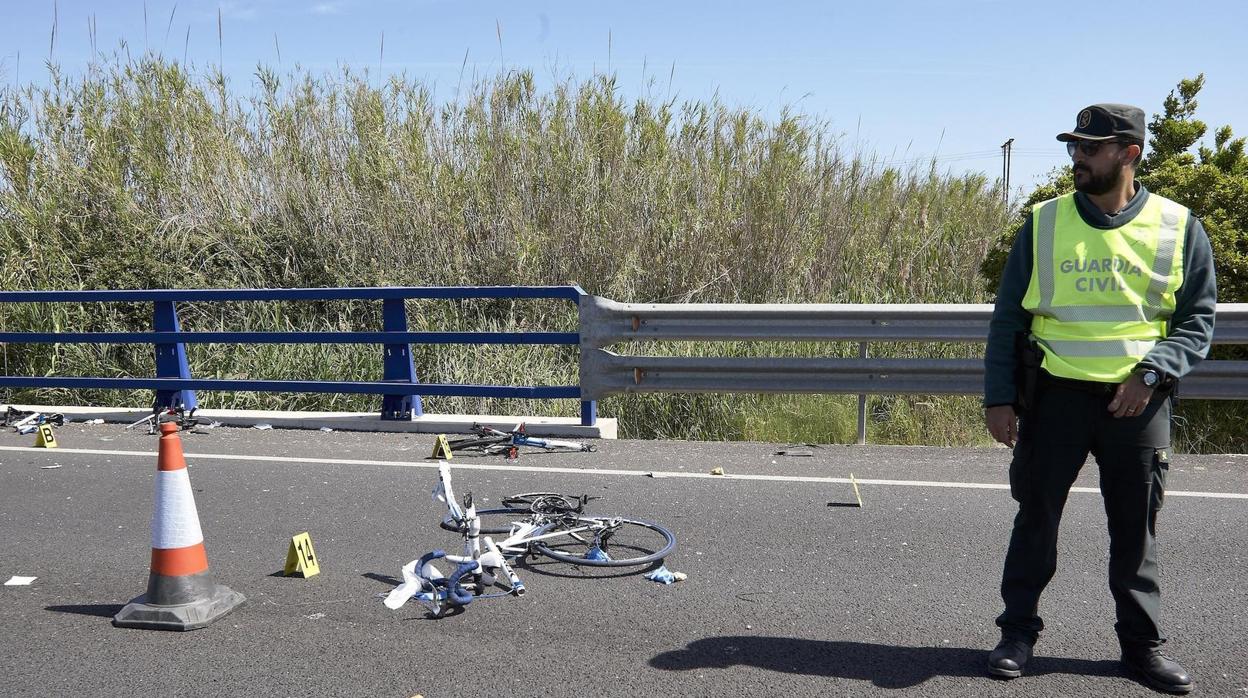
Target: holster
[1027,359]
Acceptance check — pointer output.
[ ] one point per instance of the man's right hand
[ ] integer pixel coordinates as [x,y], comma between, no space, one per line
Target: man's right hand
[1002,424]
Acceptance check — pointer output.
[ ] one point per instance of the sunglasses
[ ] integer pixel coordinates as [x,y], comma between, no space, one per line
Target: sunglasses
[1088,148]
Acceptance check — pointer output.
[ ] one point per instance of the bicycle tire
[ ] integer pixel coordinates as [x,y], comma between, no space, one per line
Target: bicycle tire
[525,501]
[639,537]
[459,444]
[522,501]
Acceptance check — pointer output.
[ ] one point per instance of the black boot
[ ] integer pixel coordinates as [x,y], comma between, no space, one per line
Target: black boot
[1009,657]
[1157,670]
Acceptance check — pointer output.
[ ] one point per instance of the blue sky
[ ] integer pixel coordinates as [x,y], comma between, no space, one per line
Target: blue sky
[906,80]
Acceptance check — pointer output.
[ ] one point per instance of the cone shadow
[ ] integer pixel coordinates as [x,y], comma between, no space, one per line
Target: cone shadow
[102,610]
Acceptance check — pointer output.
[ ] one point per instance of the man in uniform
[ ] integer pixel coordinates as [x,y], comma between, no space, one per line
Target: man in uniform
[1107,299]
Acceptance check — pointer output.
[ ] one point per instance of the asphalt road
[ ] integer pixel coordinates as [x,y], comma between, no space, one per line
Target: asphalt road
[789,592]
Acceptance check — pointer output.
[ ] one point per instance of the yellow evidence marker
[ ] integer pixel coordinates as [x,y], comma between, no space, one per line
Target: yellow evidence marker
[45,438]
[300,558]
[441,448]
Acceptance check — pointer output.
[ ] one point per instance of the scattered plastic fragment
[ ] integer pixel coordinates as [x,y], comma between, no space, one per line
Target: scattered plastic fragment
[315,616]
[261,426]
[717,471]
[596,553]
[665,576]
[49,467]
[326,429]
[16,581]
[94,421]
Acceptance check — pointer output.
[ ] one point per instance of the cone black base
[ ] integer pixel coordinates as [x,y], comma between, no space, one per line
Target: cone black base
[186,616]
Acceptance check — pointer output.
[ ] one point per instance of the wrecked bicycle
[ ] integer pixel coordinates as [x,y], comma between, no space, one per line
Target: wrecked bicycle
[490,441]
[533,524]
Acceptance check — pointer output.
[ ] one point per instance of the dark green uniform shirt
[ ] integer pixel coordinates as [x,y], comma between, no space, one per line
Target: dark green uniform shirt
[1189,331]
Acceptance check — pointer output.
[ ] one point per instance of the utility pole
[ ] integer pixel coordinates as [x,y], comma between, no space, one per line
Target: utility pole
[1006,147]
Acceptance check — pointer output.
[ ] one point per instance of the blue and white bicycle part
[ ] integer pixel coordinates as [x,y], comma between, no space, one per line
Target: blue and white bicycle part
[551,525]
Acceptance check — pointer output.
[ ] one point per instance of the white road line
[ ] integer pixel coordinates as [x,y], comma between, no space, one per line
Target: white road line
[149,456]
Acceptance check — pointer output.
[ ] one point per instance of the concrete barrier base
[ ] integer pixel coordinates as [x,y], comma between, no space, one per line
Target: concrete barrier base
[353,421]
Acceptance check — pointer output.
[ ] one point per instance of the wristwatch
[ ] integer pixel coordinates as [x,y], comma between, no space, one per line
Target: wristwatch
[1150,377]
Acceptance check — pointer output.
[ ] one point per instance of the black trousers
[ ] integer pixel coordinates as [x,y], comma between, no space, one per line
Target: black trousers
[1055,438]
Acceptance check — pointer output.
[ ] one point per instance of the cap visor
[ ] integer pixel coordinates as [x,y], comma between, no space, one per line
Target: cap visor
[1076,136]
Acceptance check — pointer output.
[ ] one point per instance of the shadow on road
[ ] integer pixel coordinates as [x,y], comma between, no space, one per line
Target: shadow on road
[103,610]
[384,579]
[886,666]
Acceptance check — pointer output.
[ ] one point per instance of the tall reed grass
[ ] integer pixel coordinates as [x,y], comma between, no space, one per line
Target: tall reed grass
[148,174]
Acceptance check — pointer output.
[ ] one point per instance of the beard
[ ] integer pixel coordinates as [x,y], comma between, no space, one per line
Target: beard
[1095,184]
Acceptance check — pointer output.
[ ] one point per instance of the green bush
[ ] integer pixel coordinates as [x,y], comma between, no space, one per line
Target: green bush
[149,174]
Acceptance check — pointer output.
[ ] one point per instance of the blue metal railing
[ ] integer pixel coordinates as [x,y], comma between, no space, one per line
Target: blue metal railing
[401,392]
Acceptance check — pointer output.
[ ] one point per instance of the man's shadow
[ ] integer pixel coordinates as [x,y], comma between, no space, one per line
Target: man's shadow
[886,666]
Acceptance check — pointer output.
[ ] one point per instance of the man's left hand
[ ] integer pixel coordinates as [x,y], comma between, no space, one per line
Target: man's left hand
[1131,398]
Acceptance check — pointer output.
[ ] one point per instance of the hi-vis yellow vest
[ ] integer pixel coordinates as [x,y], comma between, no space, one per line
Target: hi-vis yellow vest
[1100,298]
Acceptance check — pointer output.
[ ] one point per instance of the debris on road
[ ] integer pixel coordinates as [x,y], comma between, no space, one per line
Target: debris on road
[16,581]
[857,496]
[49,467]
[262,426]
[801,450]
[717,471]
[665,576]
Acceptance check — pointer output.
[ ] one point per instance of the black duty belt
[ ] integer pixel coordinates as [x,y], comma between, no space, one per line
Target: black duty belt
[1093,387]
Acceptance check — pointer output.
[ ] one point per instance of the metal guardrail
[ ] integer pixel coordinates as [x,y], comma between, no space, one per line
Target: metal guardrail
[399,387]
[605,323]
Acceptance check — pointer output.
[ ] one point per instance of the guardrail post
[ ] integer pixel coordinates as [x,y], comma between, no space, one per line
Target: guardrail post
[862,402]
[171,359]
[398,364]
[589,323]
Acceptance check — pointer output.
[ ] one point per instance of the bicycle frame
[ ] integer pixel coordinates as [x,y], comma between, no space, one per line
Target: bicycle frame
[27,422]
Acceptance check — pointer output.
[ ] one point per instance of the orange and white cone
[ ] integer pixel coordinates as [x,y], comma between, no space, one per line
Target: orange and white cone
[180,594]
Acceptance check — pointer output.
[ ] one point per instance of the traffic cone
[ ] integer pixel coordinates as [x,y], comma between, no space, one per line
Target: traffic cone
[180,594]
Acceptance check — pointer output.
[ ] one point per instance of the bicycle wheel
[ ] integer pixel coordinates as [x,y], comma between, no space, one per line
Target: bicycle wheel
[493,521]
[547,502]
[628,543]
[475,443]
[525,500]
